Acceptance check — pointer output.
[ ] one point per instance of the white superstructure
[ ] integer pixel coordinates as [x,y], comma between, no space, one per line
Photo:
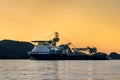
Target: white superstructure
[44,47]
[41,49]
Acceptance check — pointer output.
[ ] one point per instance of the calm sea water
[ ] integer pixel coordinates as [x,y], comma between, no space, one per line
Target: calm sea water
[59,70]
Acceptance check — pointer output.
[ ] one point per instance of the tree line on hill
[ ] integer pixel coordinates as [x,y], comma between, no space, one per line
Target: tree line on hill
[10,49]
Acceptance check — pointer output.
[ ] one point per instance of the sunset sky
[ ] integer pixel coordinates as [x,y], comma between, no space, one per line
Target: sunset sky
[94,23]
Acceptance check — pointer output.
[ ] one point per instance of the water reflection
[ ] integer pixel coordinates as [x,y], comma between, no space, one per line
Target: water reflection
[62,70]
[52,70]
[59,70]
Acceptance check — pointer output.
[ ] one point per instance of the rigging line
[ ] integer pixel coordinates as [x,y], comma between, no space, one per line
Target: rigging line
[50,35]
[67,40]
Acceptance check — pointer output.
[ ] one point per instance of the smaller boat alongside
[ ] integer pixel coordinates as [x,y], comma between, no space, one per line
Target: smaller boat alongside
[48,50]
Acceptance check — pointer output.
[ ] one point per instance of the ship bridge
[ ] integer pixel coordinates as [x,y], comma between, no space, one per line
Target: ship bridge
[43,42]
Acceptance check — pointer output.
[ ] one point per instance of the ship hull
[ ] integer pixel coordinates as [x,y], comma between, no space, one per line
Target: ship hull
[66,57]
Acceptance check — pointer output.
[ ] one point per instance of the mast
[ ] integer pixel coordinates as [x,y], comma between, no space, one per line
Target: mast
[56,38]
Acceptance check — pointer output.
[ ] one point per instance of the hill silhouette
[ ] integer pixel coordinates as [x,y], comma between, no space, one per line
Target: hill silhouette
[10,49]
[114,55]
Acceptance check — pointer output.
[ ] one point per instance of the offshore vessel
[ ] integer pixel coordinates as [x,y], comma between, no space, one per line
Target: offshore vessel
[48,50]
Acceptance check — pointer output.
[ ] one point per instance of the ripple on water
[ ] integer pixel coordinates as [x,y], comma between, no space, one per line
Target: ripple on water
[59,70]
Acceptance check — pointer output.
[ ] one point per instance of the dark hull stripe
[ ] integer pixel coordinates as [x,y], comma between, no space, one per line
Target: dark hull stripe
[66,57]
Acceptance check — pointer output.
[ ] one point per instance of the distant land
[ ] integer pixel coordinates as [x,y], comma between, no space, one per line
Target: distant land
[114,55]
[11,49]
